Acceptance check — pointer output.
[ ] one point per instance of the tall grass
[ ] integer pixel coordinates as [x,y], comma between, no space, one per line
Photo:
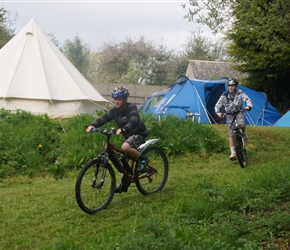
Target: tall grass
[180,136]
[29,144]
[208,202]
[38,143]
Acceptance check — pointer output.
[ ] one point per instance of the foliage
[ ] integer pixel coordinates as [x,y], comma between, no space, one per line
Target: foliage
[179,136]
[258,36]
[6,33]
[164,66]
[138,62]
[207,203]
[76,146]
[54,40]
[78,53]
[118,58]
[94,61]
[200,47]
[215,14]
[260,43]
[42,144]
[29,144]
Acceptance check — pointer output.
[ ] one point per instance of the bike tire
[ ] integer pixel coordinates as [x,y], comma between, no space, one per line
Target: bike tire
[240,150]
[90,196]
[154,179]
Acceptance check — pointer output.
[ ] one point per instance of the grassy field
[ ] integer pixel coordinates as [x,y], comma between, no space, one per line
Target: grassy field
[208,202]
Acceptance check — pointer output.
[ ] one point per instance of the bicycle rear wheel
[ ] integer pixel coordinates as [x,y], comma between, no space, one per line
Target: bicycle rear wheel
[95,186]
[157,171]
[240,150]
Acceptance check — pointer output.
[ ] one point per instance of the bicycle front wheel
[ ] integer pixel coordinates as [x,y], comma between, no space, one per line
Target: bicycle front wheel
[95,186]
[240,150]
[155,177]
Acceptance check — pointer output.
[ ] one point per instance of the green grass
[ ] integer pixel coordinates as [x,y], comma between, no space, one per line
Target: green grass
[208,202]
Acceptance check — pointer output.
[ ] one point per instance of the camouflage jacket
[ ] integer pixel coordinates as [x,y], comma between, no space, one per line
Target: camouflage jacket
[232,104]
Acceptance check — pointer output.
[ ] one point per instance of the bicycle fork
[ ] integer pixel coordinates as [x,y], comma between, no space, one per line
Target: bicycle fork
[101,161]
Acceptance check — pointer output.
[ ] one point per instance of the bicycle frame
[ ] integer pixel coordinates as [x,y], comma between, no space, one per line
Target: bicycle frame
[96,182]
[127,163]
[237,128]
[240,146]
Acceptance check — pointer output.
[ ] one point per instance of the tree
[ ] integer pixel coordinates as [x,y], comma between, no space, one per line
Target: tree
[120,60]
[6,32]
[217,15]
[258,37]
[163,67]
[199,47]
[136,62]
[94,62]
[54,40]
[261,44]
[78,53]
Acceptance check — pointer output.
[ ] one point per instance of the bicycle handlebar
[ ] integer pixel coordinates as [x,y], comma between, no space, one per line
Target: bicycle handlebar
[105,131]
[234,113]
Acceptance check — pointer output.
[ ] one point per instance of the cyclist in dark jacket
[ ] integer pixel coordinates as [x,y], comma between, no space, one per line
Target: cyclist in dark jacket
[232,101]
[130,125]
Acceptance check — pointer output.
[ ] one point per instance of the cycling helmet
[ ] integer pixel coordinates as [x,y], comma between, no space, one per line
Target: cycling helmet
[232,81]
[120,91]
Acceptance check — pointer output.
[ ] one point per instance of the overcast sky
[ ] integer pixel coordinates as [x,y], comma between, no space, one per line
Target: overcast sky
[97,22]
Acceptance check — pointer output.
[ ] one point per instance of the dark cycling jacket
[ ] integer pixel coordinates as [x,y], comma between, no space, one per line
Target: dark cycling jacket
[235,104]
[126,117]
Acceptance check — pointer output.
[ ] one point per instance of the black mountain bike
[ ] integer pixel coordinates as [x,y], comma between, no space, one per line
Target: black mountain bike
[96,182]
[240,145]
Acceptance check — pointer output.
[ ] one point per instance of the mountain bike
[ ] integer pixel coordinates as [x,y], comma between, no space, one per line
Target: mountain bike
[240,145]
[96,182]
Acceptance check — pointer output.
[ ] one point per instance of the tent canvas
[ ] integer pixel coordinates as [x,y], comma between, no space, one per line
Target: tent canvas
[36,77]
[197,98]
[284,121]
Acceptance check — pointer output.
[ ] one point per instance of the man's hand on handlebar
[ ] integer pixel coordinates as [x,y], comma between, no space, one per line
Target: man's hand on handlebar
[120,131]
[89,128]
[220,115]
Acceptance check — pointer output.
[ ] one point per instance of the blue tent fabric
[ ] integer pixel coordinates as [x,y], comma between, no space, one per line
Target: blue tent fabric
[196,98]
[284,121]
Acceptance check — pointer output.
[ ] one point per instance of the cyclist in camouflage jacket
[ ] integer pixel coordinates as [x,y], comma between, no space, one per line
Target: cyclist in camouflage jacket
[232,101]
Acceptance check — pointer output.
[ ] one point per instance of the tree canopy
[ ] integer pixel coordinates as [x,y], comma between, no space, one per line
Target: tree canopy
[200,47]
[6,33]
[141,62]
[78,53]
[258,33]
[260,36]
[137,62]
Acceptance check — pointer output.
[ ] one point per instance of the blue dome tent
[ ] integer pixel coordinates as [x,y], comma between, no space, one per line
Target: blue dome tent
[195,99]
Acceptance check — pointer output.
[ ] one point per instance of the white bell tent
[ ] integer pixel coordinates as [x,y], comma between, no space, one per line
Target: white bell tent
[36,77]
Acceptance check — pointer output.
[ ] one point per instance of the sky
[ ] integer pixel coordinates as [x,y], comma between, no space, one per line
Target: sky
[99,22]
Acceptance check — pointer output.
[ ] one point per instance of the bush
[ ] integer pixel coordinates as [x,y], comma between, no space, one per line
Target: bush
[178,136]
[31,144]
